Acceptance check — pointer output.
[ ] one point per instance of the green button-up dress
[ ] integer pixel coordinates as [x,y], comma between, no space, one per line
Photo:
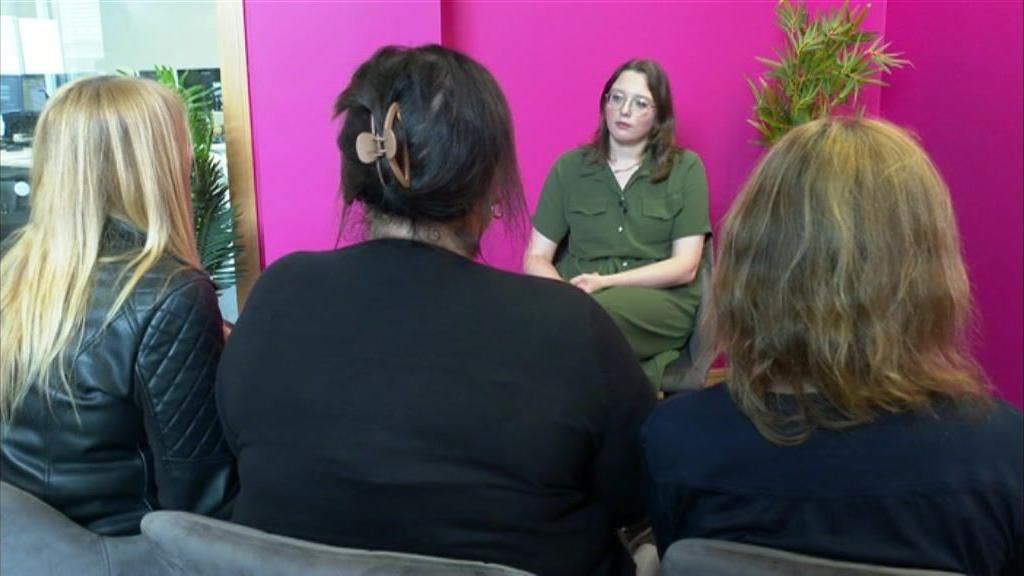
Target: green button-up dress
[612,230]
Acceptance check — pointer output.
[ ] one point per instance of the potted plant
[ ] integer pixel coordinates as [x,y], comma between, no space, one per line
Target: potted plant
[214,216]
[826,61]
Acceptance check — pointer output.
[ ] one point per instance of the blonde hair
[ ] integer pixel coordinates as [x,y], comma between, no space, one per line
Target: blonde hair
[840,274]
[105,147]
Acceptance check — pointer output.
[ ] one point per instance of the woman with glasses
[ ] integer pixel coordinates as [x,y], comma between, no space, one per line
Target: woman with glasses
[633,208]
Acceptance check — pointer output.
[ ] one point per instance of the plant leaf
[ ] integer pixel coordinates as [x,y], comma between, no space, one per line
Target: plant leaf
[215,220]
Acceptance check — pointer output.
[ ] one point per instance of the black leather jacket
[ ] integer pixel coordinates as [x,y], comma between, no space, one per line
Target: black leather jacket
[147,434]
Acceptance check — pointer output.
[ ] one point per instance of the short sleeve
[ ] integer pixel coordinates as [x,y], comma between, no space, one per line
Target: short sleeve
[689,181]
[549,219]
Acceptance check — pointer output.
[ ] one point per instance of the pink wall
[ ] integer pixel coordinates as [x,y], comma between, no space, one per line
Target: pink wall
[552,59]
[964,99]
[552,82]
[301,55]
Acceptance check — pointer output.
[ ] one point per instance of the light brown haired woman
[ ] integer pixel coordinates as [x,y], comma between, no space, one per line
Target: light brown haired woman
[632,209]
[111,332]
[855,425]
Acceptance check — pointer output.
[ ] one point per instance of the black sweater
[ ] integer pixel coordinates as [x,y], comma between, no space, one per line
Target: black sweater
[397,396]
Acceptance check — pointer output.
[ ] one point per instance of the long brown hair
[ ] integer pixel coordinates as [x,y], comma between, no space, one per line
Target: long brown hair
[661,143]
[840,274]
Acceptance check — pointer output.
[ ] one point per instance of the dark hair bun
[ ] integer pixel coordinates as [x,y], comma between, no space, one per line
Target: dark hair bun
[454,125]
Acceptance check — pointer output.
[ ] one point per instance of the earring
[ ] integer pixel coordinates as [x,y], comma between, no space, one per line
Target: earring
[497,212]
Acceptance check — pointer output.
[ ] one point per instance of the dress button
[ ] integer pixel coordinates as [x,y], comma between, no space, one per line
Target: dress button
[620,228]
[625,264]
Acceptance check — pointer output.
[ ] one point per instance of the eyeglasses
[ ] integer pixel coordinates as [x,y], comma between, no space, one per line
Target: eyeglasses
[637,104]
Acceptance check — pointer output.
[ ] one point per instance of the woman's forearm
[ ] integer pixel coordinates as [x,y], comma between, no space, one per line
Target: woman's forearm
[665,274]
[535,265]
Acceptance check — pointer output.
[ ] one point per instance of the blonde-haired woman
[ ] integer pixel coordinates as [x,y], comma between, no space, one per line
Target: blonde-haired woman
[111,332]
[854,425]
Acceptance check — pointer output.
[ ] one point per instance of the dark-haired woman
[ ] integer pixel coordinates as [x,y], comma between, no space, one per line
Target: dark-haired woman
[398,395]
[635,210]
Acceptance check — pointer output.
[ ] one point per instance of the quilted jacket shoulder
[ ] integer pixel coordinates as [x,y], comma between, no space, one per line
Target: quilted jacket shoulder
[143,431]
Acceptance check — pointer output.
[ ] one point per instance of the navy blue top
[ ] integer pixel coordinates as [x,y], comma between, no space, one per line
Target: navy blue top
[942,491]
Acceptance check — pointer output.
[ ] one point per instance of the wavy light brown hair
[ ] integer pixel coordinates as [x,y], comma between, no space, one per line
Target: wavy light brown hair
[661,143]
[840,274]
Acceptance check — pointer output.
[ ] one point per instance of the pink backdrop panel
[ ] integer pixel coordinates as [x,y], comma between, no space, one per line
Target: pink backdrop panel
[964,99]
[552,59]
[301,55]
[963,96]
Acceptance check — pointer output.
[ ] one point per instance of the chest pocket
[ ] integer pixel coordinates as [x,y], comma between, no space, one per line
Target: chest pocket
[658,214]
[588,204]
[590,228]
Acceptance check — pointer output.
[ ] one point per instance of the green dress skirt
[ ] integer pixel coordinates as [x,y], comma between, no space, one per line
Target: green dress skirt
[608,229]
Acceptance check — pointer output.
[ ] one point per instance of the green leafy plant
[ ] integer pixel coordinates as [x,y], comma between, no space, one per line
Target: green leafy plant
[216,219]
[827,60]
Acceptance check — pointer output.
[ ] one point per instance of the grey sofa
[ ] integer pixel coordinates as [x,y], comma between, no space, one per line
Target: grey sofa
[190,544]
[37,540]
[699,557]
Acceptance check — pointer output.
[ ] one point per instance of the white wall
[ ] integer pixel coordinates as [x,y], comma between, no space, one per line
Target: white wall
[138,35]
[110,35]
